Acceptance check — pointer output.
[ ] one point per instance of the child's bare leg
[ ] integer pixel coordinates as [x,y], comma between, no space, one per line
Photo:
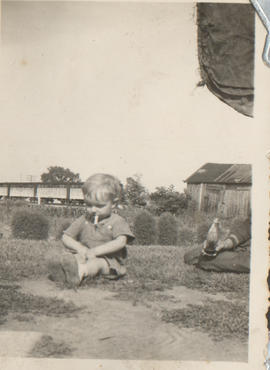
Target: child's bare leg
[94,267]
[76,269]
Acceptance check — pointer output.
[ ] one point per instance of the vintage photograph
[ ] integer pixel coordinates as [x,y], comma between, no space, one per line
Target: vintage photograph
[126,180]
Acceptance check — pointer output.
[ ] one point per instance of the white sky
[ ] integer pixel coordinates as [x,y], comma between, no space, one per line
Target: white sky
[110,87]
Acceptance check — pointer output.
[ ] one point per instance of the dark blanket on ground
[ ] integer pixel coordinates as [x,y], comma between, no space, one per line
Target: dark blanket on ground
[227,261]
[226,34]
[234,260]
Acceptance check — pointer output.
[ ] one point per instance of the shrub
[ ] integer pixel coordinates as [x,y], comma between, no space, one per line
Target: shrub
[167,229]
[135,193]
[62,225]
[20,203]
[186,236]
[202,231]
[7,206]
[59,211]
[28,224]
[129,213]
[145,228]
[168,200]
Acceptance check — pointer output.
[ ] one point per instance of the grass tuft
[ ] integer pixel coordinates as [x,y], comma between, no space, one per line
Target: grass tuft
[156,268]
[220,319]
[151,269]
[25,259]
[48,347]
[12,300]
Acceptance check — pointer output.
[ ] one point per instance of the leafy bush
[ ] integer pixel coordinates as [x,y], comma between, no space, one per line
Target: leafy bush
[145,228]
[168,200]
[60,175]
[61,226]
[7,206]
[134,192]
[202,231]
[20,203]
[167,229]
[129,213]
[61,211]
[186,236]
[28,224]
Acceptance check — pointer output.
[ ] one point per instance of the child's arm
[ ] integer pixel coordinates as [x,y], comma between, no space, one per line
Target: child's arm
[110,247]
[74,245]
[224,245]
[239,233]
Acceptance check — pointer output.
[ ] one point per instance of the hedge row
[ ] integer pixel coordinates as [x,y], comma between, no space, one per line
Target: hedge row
[32,222]
[162,230]
[8,207]
[29,224]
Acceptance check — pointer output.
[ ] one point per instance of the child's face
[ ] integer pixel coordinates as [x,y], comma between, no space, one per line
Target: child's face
[100,208]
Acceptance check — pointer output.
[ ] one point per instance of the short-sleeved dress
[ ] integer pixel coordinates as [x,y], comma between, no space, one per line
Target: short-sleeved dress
[108,229]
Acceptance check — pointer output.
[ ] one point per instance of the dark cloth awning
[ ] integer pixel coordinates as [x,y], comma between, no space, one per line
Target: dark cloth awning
[226,42]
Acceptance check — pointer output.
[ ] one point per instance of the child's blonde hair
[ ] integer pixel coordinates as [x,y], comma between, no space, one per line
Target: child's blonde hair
[102,187]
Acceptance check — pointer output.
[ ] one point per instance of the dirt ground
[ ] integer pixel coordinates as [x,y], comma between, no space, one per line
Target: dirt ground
[107,327]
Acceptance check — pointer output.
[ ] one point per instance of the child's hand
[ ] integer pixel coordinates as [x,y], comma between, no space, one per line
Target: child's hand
[224,245]
[220,245]
[83,255]
[81,258]
[90,254]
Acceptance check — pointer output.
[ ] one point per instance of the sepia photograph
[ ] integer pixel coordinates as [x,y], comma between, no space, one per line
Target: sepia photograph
[126,182]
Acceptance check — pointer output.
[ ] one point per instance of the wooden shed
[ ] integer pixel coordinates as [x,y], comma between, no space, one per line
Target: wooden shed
[224,189]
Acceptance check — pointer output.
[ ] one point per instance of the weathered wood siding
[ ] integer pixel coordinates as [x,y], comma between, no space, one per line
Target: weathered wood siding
[212,198]
[194,191]
[227,200]
[237,201]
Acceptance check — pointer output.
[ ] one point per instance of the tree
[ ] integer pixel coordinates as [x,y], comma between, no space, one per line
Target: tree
[135,192]
[60,175]
[168,200]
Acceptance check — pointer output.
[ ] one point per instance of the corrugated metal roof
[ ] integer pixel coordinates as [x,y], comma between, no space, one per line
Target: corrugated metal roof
[224,173]
[237,174]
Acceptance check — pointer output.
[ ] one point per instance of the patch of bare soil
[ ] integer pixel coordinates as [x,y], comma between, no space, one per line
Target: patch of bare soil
[107,327]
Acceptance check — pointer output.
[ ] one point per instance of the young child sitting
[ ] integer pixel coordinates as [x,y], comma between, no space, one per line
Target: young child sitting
[96,242]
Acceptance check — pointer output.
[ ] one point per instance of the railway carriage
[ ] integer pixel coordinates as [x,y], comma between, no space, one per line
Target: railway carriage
[43,192]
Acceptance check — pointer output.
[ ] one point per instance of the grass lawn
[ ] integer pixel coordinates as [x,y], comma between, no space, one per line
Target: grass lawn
[151,269]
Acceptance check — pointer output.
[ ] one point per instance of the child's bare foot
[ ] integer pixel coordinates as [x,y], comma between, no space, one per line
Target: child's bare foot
[56,273]
[116,274]
[70,267]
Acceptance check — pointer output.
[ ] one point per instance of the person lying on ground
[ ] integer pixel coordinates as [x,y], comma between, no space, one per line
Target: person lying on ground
[229,255]
[96,242]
